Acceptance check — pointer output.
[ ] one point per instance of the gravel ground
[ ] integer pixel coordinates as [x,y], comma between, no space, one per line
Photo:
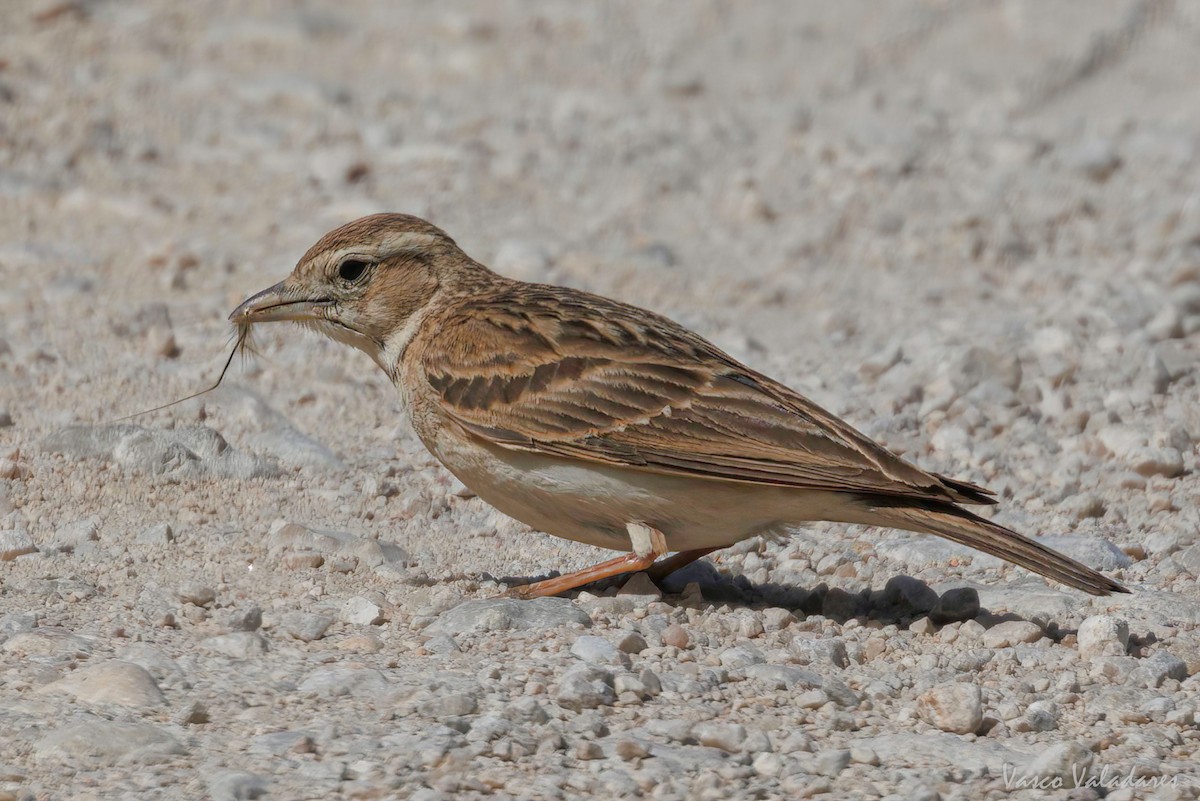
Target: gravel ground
[972,228]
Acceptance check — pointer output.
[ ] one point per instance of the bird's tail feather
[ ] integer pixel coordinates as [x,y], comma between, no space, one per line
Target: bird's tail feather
[961,526]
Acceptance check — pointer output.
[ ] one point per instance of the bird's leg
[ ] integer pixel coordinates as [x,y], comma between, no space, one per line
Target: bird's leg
[660,570]
[648,545]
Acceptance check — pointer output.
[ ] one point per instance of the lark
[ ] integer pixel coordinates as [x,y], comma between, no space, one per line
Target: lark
[607,424]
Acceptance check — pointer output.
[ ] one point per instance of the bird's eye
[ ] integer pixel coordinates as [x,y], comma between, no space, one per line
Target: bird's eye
[352,269]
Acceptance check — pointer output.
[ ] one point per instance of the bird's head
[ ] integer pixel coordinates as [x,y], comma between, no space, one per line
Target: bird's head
[363,284]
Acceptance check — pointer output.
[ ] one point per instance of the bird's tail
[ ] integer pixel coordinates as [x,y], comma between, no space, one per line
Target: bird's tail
[958,525]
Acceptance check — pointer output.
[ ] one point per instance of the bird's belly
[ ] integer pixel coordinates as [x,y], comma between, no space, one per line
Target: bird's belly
[593,503]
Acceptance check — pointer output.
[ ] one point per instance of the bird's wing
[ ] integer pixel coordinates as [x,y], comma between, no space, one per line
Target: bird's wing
[574,375]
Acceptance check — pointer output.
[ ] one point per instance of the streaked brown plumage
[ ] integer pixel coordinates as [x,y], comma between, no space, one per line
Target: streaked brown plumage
[605,423]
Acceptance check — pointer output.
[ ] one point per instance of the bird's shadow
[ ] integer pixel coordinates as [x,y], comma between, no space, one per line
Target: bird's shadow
[902,601]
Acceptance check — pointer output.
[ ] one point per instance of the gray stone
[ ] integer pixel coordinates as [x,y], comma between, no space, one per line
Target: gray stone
[442,644]
[629,749]
[839,693]
[1097,553]
[960,603]
[822,651]
[1102,635]
[831,763]
[1189,559]
[293,448]
[768,764]
[587,750]
[1160,611]
[881,361]
[1098,159]
[236,785]
[863,756]
[632,643]
[238,644]
[1012,632]
[246,619]
[675,636]
[345,680]
[784,677]
[1040,716]
[741,656]
[101,743]
[1065,761]
[598,651]
[185,452]
[160,666]
[15,622]
[909,594]
[450,705]
[1127,704]
[777,619]
[15,543]
[78,533]
[502,614]
[641,589]
[956,708]
[1166,462]
[978,757]
[627,682]
[158,534]
[191,713]
[196,593]
[279,743]
[288,538]
[273,434]
[1032,600]
[305,626]
[729,737]
[1122,441]
[585,687]
[651,682]
[360,611]
[1116,669]
[113,682]
[1157,668]
[920,551]
[48,642]
[677,731]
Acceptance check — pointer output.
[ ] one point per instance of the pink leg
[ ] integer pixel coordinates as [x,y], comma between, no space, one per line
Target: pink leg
[648,545]
[660,570]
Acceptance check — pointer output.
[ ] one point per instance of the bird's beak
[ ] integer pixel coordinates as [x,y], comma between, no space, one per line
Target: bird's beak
[279,302]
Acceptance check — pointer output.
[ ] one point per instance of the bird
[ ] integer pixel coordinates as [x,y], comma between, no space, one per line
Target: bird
[600,422]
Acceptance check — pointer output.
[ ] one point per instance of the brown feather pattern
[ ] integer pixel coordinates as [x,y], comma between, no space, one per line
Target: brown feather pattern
[585,377]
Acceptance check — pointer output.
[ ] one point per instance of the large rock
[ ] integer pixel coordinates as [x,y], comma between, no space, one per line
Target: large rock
[112,682]
[93,744]
[586,687]
[1102,635]
[956,708]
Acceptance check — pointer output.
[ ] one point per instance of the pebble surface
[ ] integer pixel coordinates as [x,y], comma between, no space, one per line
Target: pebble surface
[965,227]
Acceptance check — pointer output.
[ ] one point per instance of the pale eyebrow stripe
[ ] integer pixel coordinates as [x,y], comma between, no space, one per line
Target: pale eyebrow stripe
[409,240]
[392,244]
